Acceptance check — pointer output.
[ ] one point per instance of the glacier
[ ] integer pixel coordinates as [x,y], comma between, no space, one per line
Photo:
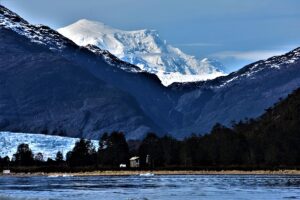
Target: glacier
[48,145]
[145,49]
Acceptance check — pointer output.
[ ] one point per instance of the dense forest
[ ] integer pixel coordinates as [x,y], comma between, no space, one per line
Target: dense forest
[271,141]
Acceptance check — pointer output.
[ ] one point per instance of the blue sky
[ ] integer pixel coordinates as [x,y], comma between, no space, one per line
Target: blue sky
[236,32]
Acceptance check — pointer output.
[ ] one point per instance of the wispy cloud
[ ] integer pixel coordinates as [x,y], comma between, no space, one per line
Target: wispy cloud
[248,55]
[199,44]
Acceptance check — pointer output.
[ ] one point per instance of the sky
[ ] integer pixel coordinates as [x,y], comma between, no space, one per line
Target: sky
[235,32]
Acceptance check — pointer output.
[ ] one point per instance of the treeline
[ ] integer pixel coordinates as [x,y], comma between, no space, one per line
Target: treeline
[269,142]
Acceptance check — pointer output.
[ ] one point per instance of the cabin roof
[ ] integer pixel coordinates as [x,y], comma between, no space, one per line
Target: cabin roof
[134,158]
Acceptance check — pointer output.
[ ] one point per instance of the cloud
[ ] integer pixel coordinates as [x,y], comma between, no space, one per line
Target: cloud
[199,44]
[248,55]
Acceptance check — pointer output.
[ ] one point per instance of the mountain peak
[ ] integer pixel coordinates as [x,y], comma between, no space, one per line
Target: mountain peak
[91,26]
[145,49]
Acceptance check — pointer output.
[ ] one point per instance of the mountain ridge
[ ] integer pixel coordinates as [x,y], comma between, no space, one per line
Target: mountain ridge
[85,91]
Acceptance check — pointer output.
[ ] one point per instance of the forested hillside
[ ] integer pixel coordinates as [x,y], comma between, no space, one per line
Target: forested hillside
[271,141]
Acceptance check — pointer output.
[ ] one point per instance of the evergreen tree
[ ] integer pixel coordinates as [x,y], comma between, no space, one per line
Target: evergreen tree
[24,155]
[113,150]
[59,157]
[171,150]
[4,162]
[39,157]
[83,154]
[152,148]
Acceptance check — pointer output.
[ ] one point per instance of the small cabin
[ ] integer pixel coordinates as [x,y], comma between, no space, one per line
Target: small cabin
[6,172]
[134,162]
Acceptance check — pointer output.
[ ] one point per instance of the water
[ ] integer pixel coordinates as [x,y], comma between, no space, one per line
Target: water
[179,187]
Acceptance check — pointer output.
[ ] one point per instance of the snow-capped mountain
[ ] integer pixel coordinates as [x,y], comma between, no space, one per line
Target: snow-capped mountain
[145,49]
[48,145]
[50,84]
[47,70]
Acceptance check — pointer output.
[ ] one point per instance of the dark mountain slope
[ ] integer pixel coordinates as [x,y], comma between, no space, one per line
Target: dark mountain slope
[145,88]
[245,93]
[41,90]
[274,138]
[278,132]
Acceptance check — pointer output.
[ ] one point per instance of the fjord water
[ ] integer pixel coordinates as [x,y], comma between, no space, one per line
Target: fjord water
[162,187]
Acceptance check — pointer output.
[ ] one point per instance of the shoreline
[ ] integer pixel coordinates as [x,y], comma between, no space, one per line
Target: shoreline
[158,172]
